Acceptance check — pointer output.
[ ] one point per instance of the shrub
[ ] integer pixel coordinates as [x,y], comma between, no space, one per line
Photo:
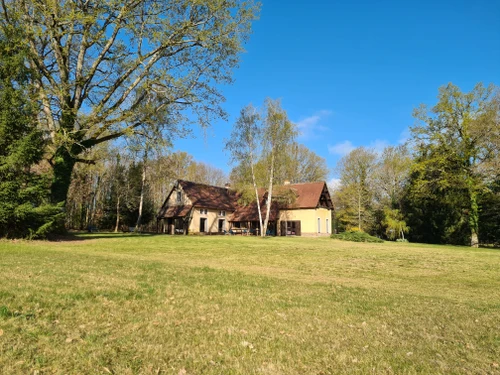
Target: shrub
[356,236]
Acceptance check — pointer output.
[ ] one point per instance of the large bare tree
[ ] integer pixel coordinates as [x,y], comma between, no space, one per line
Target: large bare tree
[105,67]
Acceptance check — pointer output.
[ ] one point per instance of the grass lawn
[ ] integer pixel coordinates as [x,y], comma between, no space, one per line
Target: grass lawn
[131,304]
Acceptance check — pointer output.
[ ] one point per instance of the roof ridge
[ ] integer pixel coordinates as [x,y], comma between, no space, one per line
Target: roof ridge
[201,183]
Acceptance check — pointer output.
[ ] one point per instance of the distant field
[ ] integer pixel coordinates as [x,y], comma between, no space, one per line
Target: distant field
[131,304]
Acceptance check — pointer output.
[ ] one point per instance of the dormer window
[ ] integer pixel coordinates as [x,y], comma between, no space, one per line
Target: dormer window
[179,196]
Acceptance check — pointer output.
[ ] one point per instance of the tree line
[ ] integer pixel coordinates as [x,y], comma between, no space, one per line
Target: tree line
[443,186]
[123,191]
[78,78]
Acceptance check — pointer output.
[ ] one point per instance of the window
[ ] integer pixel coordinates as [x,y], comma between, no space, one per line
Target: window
[179,196]
[327,227]
[222,213]
[203,211]
[319,225]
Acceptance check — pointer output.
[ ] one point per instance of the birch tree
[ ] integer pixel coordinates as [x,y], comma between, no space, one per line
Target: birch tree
[105,67]
[278,135]
[245,147]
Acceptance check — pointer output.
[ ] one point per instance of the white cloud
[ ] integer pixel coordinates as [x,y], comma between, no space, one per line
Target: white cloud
[404,136]
[334,183]
[311,125]
[342,148]
[378,145]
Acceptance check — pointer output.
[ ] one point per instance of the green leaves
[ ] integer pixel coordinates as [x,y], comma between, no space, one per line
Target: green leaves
[454,149]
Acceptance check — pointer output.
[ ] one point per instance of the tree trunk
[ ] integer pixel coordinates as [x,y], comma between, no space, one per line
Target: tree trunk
[62,166]
[261,225]
[359,210]
[473,215]
[269,196]
[141,201]
[117,214]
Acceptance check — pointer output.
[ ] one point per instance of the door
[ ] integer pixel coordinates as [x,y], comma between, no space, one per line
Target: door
[221,225]
[283,228]
[203,224]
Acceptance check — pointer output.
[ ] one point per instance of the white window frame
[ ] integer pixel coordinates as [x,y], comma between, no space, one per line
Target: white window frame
[203,211]
[327,226]
[319,225]
[222,213]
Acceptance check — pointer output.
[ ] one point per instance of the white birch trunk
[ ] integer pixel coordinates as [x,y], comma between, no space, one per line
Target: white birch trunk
[269,195]
[117,214]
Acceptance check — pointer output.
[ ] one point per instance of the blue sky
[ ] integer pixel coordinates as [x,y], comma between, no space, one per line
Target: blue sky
[349,73]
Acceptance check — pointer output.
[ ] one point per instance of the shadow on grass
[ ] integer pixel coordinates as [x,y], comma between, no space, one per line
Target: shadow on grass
[84,236]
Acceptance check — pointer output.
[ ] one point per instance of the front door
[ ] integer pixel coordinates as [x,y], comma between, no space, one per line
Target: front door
[221,225]
[203,224]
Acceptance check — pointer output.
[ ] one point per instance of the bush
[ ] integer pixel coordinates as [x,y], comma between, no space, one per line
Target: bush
[402,240]
[356,236]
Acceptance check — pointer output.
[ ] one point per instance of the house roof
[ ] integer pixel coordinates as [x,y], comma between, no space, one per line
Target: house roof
[307,194]
[174,211]
[207,196]
[250,212]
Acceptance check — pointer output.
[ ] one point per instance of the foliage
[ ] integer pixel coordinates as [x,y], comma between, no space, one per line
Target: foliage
[107,67]
[395,224]
[260,143]
[355,196]
[489,216]
[453,143]
[356,236]
[24,207]
[391,175]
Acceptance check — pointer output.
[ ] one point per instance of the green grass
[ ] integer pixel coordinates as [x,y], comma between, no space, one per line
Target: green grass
[132,304]
[356,236]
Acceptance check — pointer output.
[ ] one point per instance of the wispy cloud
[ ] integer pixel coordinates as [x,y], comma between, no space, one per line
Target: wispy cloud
[311,126]
[378,145]
[334,183]
[342,148]
[404,136]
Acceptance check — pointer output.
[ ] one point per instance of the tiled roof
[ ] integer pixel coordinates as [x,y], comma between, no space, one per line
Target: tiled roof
[207,196]
[307,194]
[174,211]
[250,212]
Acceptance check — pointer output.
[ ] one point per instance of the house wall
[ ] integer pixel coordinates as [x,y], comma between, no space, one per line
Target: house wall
[172,199]
[212,221]
[309,220]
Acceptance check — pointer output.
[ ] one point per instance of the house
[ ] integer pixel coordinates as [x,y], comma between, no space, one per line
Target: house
[297,209]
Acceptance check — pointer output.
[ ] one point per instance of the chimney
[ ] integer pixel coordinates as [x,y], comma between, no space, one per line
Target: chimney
[287,182]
